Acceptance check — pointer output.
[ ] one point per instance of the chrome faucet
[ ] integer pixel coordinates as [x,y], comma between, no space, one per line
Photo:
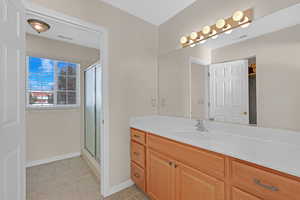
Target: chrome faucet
[200,126]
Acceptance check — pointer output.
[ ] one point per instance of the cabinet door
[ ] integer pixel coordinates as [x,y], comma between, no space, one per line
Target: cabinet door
[192,184]
[160,176]
[240,195]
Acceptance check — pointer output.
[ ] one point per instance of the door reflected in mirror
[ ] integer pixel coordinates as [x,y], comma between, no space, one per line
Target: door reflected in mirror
[224,92]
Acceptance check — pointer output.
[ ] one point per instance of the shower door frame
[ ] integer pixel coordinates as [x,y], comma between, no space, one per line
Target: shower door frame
[94,66]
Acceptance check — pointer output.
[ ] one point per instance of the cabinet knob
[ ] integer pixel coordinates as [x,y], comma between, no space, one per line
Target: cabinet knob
[136,136]
[137,175]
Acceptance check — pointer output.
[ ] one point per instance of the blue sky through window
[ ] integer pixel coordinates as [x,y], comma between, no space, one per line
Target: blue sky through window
[41,74]
[49,79]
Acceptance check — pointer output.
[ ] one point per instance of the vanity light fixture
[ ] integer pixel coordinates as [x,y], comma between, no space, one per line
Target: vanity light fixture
[238,19]
[224,26]
[194,35]
[214,34]
[183,40]
[238,16]
[38,25]
[246,25]
[229,31]
[206,30]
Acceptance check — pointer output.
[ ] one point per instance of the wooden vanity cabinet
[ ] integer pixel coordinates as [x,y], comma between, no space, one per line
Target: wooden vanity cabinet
[191,184]
[138,158]
[170,170]
[160,176]
[264,183]
[241,195]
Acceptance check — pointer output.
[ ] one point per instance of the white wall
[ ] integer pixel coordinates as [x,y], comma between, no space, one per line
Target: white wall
[53,133]
[133,45]
[174,80]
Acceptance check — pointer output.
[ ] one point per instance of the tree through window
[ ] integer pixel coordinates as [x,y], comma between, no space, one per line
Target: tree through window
[52,83]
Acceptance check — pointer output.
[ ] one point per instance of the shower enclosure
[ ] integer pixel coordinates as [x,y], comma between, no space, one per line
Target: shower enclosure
[93,110]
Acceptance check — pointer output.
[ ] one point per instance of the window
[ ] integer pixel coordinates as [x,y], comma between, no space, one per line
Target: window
[52,83]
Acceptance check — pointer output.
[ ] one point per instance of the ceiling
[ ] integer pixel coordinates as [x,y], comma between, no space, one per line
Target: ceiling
[153,11]
[65,32]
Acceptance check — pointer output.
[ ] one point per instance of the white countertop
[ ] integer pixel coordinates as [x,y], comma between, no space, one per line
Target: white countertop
[273,148]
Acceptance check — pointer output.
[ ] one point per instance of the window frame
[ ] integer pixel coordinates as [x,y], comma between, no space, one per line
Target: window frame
[55,90]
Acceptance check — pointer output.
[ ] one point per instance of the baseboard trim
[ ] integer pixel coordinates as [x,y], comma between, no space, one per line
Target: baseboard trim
[52,159]
[92,163]
[121,186]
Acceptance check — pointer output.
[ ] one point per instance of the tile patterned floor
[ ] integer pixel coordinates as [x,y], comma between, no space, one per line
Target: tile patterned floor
[70,179]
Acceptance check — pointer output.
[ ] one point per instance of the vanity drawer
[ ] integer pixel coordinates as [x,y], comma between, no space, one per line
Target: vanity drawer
[241,195]
[138,136]
[265,184]
[138,176]
[138,154]
[210,163]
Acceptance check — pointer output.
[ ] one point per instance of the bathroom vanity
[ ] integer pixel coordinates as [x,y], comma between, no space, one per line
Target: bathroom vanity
[171,160]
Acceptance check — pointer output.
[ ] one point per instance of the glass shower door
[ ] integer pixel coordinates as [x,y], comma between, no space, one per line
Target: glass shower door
[98,109]
[90,111]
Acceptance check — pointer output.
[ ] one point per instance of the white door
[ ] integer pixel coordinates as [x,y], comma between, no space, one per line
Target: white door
[12,100]
[229,100]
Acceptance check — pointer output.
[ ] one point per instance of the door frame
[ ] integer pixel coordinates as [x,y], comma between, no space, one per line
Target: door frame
[103,34]
[193,60]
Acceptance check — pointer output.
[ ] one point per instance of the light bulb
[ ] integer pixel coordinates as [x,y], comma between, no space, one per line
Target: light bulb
[221,23]
[193,45]
[183,40]
[206,30]
[202,41]
[194,35]
[238,16]
[38,27]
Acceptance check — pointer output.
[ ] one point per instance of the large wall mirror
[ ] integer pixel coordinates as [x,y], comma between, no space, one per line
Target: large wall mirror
[249,77]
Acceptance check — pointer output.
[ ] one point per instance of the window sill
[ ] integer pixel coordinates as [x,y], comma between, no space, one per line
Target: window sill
[45,108]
